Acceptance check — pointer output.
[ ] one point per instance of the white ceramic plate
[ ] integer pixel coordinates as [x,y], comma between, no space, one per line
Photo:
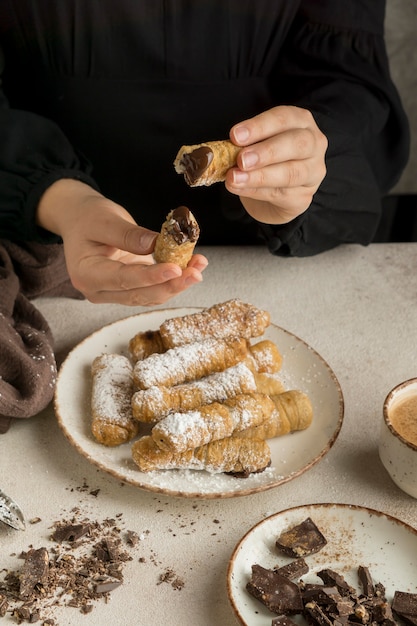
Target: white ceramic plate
[292,454]
[355,536]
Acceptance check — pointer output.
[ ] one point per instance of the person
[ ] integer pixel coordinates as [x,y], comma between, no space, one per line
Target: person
[97,98]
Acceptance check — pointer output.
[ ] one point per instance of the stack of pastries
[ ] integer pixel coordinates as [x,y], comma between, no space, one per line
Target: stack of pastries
[206,389]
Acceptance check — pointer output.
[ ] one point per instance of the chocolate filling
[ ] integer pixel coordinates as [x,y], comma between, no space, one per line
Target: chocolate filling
[182,227]
[195,163]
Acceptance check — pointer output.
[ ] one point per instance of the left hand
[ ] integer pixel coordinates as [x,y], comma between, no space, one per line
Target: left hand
[281,164]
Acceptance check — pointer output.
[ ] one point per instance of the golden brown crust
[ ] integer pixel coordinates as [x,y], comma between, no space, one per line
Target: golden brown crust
[206,163]
[112,419]
[144,344]
[231,455]
[189,362]
[233,318]
[177,239]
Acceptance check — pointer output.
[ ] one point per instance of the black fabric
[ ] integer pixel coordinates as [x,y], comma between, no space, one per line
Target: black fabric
[107,92]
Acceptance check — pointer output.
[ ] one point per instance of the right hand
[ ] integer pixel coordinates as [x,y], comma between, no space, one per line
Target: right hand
[108,256]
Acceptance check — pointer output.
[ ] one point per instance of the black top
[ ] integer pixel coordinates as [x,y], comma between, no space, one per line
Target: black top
[106,91]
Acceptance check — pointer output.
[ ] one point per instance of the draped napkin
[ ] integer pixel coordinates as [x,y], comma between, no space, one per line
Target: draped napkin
[27,361]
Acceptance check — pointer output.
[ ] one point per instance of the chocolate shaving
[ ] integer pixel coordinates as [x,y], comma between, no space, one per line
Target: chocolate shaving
[70,532]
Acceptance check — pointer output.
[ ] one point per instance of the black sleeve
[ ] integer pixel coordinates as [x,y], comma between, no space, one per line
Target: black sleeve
[34,153]
[335,64]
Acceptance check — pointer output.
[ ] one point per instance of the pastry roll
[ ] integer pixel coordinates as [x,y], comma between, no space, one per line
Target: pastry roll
[181,431]
[232,318]
[112,385]
[268,383]
[154,403]
[177,239]
[144,344]
[206,163]
[264,357]
[293,412]
[232,455]
[189,362]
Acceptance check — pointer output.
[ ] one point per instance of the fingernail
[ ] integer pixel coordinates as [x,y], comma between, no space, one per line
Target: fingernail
[172,273]
[239,177]
[249,159]
[241,133]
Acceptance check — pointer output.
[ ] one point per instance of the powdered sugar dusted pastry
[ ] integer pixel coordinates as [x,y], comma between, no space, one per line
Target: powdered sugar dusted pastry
[264,357]
[189,362]
[232,455]
[293,411]
[177,239]
[206,163]
[154,403]
[112,385]
[180,431]
[232,318]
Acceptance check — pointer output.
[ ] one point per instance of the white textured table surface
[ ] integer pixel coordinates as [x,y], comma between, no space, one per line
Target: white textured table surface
[356,306]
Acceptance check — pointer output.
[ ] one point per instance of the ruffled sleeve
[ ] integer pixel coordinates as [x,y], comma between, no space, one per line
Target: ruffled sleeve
[334,63]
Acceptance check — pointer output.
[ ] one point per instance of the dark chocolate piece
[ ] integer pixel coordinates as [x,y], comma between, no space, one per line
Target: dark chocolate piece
[316,614]
[293,570]
[276,592]
[70,532]
[301,540]
[404,605]
[333,579]
[366,581]
[195,163]
[34,573]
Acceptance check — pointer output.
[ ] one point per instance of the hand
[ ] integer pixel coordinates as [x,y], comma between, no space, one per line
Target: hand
[108,255]
[281,164]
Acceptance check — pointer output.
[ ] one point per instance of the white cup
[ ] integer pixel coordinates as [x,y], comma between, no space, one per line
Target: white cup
[398,438]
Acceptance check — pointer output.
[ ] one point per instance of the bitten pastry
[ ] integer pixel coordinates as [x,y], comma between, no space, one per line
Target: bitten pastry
[112,385]
[232,318]
[189,362]
[206,163]
[154,403]
[177,239]
[180,431]
[293,412]
[232,455]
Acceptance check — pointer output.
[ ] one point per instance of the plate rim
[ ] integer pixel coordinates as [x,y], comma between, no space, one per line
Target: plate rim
[289,510]
[196,494]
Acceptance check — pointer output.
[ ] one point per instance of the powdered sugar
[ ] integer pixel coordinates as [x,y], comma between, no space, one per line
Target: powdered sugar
[112,388]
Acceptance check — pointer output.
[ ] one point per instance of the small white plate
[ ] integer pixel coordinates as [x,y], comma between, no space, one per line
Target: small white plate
[293,454]
[355,536]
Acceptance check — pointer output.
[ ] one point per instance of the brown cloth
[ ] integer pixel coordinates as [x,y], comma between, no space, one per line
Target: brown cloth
[27,362]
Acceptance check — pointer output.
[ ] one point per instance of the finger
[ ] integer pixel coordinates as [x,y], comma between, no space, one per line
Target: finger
[305,173]
[199,262]
[118,232]
[269,123]
[149,296]
[295,144]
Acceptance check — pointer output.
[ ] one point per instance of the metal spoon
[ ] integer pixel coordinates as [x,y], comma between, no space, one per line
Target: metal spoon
[10,512]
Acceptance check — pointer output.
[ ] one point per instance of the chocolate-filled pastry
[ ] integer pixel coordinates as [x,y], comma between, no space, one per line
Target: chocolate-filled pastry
[177,239]
[206,163]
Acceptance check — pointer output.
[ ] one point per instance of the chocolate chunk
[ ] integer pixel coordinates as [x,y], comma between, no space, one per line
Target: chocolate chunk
[4,605]
[276,592]
[293,570]
[316,614]
[332,578]
[34,573]
[107,550]
[301,540]
[405,606]
[70,532]
[366,581]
